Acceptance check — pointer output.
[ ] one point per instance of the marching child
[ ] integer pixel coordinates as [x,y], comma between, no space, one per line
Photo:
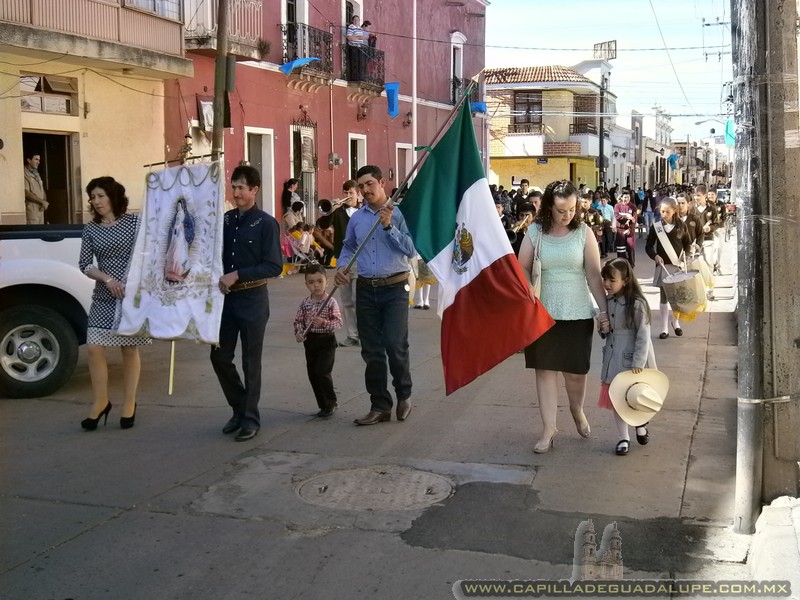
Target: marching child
[667,240]
[320,342]
[627,344]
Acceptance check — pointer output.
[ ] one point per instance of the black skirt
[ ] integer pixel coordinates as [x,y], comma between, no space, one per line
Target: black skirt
[565,347]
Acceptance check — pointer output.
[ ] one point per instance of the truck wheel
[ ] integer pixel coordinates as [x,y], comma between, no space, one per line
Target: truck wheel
[38,351]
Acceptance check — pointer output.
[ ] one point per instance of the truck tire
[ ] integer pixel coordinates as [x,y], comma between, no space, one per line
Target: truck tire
[38,351]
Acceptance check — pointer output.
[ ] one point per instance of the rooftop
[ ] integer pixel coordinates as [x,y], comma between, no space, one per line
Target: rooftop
[542,74]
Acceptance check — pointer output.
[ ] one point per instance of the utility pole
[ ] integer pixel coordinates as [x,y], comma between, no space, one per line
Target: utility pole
[765,71]
[601,152]
[220,75]
[687,160]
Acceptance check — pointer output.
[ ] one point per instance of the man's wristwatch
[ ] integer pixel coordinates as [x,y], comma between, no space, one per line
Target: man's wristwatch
[388,227]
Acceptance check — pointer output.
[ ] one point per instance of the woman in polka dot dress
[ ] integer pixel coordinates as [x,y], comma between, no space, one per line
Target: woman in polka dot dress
[110,238]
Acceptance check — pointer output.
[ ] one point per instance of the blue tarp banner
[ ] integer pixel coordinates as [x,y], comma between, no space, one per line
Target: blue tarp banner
[730,133]
[673,160]
[392,98]
[477,107]
[293,64]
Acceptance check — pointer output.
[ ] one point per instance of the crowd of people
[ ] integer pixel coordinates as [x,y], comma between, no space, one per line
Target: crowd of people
[561,235]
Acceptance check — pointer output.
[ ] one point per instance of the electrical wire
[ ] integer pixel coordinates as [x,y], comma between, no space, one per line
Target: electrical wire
[674,70]
[196,10]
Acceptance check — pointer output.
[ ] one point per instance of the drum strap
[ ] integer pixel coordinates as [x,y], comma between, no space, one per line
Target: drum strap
[665,243]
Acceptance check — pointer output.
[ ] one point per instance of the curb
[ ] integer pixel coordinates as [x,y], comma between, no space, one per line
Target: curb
[775,551]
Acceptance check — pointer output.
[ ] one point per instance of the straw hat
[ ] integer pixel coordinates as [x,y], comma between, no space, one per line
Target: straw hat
[637,398]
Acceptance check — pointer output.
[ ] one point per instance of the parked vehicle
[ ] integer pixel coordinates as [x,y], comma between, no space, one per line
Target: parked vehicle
[44,306]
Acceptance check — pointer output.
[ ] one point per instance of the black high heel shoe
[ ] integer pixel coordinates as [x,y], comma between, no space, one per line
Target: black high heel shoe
[127,422]
[91,424]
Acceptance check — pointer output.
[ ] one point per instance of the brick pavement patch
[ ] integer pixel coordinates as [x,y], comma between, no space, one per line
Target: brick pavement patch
[376,488]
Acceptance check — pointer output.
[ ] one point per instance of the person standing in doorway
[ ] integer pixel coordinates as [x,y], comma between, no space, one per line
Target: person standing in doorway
[357,48]
[35,197]
[251,253]
[381,295]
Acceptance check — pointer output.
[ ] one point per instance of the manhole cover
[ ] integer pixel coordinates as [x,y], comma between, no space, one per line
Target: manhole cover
[382,488]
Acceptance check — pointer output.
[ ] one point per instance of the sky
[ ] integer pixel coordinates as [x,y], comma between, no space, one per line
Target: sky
[545,32]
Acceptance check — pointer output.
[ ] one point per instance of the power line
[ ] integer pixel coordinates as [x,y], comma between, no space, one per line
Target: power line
[674,70]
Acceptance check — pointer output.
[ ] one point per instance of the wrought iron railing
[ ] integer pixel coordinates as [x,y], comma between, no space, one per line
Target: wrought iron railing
[530,128]
[363,64]
[244,21]
[577,128]
[302,41]
[458,86]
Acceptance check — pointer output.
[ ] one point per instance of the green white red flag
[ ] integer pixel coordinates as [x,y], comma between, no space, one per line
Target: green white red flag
[487,313]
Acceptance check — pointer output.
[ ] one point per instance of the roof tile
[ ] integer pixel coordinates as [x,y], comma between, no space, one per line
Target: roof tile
[542,74]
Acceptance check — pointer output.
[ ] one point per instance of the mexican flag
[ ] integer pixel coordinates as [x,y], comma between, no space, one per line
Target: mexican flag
[487,313]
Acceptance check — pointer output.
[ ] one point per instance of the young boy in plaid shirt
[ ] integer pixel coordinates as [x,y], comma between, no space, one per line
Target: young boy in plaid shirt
[320,341]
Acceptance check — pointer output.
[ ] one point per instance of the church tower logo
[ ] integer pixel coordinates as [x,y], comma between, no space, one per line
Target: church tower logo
[589,563]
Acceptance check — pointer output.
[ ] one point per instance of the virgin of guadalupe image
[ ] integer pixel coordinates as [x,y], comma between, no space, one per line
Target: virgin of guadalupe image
[181,236]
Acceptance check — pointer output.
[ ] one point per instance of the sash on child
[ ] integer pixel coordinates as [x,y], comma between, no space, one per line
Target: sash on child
[665,243]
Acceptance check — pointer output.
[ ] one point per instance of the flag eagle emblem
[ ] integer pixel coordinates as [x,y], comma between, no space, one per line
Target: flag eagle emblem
[462,249]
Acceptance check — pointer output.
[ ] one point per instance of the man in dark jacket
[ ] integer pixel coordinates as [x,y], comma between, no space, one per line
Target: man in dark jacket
[251,253]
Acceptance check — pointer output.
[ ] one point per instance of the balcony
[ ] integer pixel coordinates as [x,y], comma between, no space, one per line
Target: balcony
[302,41]
[84,26]
[245,31]
[581,128]
[364,67]
[526,128]
[458,85]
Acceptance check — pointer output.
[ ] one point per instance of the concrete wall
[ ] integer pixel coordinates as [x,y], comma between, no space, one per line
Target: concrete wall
[503,169]
[123,130]
[11,160]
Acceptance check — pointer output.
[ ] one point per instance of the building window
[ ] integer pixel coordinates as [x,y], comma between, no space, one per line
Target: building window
[527,112]
[169,9]
[457,41]
[349,11]
[49,94]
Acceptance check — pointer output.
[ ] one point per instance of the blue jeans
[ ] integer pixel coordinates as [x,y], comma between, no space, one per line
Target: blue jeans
[382,316]
[649,219]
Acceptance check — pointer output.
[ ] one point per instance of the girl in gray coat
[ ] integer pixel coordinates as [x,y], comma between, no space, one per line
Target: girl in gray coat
[628,346]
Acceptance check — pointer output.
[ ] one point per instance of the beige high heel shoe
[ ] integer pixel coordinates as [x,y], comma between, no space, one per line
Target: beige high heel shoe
[582,425]
[544,444]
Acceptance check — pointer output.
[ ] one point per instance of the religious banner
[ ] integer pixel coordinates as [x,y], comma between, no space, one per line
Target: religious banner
[171,291]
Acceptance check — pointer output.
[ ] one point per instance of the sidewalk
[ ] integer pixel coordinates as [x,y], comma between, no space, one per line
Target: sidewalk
[323,509]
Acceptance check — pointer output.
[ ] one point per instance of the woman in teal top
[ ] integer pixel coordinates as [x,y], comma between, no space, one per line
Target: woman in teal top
[570,278]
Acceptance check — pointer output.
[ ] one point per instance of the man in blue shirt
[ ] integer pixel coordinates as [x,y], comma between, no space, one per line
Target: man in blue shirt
[251,253]
[381,295]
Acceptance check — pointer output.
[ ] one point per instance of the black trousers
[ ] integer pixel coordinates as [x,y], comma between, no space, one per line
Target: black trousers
[607,241]
[244,315]
[320,356]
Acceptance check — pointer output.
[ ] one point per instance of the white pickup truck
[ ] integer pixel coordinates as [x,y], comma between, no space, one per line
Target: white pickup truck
[44,304]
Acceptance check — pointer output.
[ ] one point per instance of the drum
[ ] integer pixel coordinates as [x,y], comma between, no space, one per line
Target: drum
[686,293]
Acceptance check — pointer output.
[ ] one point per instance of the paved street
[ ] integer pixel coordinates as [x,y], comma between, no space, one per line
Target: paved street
[174,509]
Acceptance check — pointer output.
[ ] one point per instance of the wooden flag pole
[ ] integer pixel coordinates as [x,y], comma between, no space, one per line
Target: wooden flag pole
[400,190]
[171,366]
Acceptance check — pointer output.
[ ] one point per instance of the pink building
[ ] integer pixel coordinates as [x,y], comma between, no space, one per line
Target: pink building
[325,120]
